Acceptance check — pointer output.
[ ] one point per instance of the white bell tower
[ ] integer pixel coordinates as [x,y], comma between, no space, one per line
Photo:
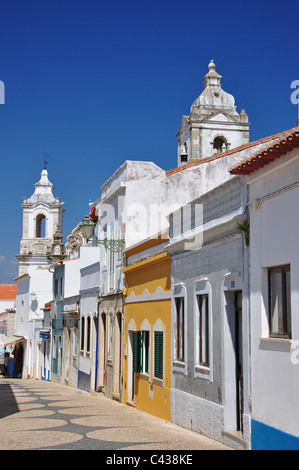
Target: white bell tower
[42,219]
[213,125]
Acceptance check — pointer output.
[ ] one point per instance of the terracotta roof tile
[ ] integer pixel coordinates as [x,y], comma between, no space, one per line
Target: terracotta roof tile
[281,144]
[8,291]
[220,155]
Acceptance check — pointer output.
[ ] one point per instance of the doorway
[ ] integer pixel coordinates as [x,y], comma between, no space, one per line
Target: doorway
[117,356]
[103,352]
[130,371]
[95,350]
[233,362]
[239,361]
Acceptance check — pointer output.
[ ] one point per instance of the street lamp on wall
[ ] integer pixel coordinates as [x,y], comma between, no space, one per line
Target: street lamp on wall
[87,226]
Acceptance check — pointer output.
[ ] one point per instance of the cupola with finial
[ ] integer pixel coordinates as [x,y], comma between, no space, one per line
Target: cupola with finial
[213,125]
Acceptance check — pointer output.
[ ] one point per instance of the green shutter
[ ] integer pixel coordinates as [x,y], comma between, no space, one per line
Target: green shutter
[146,351]
[137,351]
[158,372]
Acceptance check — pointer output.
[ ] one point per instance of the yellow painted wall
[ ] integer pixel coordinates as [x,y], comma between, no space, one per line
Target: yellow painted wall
[149,274]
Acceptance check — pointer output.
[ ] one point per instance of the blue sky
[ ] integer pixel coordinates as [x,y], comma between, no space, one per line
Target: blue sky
[94,83]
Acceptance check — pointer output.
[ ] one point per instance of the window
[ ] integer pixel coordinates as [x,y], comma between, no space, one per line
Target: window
[141,351]
[279,301]
[137,348]
[179,350]
[82,333]
[88,335]
[158,354]
[203,323]
[110,334]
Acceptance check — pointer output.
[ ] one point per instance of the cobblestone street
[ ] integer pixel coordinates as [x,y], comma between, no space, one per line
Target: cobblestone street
[44,415]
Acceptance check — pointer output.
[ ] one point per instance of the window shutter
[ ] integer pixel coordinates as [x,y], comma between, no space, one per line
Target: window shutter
[137,351]
[158,355]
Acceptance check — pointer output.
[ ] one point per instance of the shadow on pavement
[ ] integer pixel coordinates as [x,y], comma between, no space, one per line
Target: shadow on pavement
[8,404]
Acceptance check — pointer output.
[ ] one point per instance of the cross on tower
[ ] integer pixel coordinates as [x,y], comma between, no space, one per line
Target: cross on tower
[46,160]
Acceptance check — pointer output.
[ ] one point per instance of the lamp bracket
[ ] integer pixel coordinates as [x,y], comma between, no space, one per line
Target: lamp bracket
[115,246]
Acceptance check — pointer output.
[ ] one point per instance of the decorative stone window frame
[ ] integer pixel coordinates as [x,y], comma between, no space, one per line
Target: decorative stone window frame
[158,327]
[202,287]
[179,290]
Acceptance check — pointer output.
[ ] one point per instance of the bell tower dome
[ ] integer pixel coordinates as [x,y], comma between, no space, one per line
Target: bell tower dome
[213,125]
[42,218]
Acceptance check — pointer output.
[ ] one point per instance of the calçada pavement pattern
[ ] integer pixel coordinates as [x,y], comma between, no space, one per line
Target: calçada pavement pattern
[40,415]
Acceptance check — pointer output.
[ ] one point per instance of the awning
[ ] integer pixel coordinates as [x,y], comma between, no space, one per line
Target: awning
[12,339]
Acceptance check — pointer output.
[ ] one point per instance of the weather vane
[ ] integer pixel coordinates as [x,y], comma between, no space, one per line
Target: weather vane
[46,160]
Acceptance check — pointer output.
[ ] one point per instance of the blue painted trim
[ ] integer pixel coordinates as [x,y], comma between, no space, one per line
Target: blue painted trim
[265,437]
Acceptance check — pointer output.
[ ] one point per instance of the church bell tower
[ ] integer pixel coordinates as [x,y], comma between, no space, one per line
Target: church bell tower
[42,225]
[213,125]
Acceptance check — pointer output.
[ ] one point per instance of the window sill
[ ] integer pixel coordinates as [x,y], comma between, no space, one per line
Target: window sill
[144,376]
[158,381]
[273,339]
[84,354]
[179,367]
[202,372]
[179,364]
[202,369]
